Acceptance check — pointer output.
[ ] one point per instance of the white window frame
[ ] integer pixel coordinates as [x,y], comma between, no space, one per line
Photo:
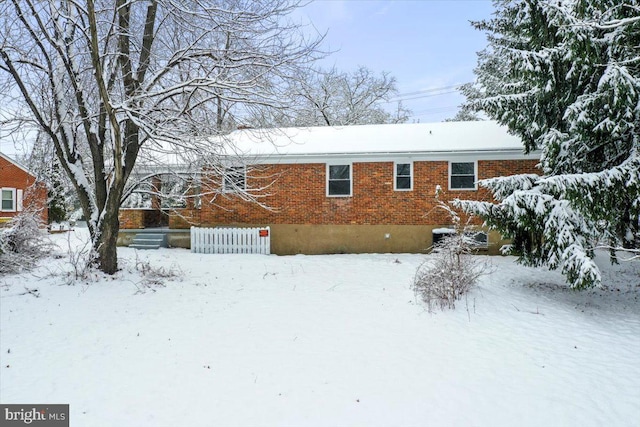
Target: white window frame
[350,164]
[395,176]
[13,199]
[234,188]
[475,175]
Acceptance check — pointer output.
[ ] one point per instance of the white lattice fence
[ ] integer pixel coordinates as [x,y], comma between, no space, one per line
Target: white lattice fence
[231,240]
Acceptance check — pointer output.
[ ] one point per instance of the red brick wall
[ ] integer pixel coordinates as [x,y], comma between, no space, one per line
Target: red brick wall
[299,195]
[184,218]
[35,194]
[139,218]
[131,218]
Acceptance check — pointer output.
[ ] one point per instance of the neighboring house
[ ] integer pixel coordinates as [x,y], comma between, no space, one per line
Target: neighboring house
[20,191]
[353,189]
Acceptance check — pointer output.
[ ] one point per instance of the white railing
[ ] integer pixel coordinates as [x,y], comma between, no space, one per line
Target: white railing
[231,240]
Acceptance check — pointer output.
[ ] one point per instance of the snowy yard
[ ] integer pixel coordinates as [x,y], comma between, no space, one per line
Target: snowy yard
[253,340]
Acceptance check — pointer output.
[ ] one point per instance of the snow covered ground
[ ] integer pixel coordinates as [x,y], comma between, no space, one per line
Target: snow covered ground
[340,340]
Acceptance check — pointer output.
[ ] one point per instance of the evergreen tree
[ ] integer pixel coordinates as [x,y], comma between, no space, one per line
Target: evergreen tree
[565,77]
[42,161]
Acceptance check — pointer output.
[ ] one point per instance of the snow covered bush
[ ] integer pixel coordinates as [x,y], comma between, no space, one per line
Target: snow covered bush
[22,243]
[453,269]
[450,274]
[153,276]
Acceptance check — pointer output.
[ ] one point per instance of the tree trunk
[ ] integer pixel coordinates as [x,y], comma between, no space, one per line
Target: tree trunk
[105,243]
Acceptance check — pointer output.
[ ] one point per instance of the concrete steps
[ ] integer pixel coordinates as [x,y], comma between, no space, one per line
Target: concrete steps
[149,241]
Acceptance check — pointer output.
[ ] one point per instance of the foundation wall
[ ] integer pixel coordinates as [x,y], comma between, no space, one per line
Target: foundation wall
[293,239]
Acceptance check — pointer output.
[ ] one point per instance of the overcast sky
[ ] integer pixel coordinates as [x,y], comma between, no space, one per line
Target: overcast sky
[425,44]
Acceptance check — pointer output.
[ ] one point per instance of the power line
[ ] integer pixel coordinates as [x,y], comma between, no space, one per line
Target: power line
[424,96]
[436,89]
[426,93]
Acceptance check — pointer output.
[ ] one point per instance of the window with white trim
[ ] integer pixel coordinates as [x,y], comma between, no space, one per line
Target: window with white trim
[8,200]
[235,179]
[403,176]
[462,175]
[339,180]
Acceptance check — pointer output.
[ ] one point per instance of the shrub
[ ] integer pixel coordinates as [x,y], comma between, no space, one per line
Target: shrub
[22,243]
[451,272]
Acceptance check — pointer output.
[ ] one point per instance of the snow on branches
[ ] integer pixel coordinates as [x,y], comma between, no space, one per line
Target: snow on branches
[23,243]
[565,77]
[107,81]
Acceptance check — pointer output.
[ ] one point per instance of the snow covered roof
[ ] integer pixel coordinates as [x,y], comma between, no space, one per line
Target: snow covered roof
[416,138]
[392,142]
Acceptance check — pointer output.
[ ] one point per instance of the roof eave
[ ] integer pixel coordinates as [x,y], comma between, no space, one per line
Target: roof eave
[18,165]
[483,154]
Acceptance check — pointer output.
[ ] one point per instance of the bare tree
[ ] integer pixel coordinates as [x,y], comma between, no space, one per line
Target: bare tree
[464,115]
[335,98]
[110,80]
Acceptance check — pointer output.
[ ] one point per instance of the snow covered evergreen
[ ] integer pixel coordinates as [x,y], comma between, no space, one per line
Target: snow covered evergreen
[565,77]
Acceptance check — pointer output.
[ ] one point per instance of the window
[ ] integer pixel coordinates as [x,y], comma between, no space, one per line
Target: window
[235,178]
[478,239]
[8,200]
[339,180]
[462,176]
[403,176]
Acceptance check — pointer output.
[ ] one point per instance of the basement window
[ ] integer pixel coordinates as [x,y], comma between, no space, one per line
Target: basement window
[462,176]
[403,176]
[478,239]
[235,179]
[8,200]
[338,180]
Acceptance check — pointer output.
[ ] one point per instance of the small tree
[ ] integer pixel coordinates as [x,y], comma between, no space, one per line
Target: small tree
[44,164]
[453,270]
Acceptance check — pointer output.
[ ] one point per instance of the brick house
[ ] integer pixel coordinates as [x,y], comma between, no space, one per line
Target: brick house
[20,191]
[357,188]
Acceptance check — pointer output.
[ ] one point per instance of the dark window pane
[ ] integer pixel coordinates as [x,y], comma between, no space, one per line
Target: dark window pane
[477,239]
[339,172]
[403,183]
[234,178]
[403,169]
[462,169]
[462,182]
[339,188]
[481,238]
[7,200]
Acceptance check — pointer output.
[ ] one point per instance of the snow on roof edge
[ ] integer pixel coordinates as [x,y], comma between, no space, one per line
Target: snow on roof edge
[480,136]
[17,164]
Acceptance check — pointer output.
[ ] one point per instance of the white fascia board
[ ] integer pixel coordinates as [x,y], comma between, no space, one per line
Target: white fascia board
[393,157]
[163,170]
